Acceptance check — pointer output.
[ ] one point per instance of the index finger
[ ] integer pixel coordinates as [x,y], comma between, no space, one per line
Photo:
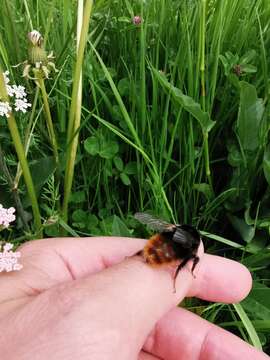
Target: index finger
[56,260]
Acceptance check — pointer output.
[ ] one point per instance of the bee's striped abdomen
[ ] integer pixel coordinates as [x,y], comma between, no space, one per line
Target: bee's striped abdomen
[158,251]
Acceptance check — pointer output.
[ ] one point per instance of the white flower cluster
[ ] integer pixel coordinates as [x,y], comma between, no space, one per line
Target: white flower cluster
[6,216]
[4,108]
[9,259]
[18,94]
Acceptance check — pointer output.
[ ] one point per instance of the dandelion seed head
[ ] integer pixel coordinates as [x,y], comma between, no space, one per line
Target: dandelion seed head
[39,64]
[35,38]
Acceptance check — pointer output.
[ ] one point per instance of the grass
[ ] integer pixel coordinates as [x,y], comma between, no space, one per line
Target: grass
[173,118]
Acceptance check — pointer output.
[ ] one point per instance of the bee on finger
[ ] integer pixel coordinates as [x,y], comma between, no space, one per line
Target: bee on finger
[172,245]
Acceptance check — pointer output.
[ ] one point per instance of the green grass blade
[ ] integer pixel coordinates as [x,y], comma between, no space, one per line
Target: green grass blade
[254,338]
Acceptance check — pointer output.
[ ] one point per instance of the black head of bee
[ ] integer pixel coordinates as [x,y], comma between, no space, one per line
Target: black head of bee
[184,239]
[185,242]
[187,235]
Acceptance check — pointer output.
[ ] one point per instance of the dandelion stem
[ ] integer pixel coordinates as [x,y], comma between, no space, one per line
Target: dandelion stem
[49,121]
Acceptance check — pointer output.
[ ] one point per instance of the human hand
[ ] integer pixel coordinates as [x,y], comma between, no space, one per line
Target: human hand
[83,299]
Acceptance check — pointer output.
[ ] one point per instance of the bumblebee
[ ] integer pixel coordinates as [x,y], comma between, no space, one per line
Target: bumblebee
[173,244]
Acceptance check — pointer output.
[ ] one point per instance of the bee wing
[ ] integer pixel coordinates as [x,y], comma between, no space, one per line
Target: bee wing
[154,223]
[187,236]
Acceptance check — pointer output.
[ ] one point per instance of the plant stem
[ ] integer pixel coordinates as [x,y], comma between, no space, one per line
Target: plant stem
[75,107]
[203,94]
[26,172]
[142,74]
[14,35]
[21,156]
[49,121]
[27,139]
[202,66]
[13,189]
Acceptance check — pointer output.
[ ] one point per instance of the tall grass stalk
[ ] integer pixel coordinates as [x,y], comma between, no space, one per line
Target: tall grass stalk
[249,326]
[203,94]
[28,14]
[74,115]
[202,53]
[157,187]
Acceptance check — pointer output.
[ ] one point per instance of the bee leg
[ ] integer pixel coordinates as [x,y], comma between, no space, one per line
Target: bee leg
[183,263]
[139,253]
[196,259]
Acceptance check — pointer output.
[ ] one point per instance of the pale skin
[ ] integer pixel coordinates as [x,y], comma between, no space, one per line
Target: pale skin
[86,298]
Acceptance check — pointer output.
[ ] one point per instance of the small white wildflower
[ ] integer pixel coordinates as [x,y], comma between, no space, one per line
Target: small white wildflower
[18,95]
[4,108]
[9,259]
[6,78]
[19,91]
[21,105]
[7,247]
[11,210]
[8,87]
[6,216]
[9,90]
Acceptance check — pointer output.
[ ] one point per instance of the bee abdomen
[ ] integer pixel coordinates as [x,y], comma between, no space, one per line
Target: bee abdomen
[157,251]
[153,257]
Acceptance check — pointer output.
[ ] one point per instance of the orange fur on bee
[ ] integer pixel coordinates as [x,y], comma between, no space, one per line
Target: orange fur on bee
[158,252]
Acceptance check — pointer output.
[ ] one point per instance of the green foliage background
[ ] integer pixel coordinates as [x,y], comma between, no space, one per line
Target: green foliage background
[174,120]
